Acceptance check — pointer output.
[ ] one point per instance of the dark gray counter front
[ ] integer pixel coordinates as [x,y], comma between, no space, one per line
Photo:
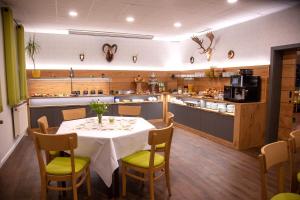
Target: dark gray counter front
[212,123]
[150,110]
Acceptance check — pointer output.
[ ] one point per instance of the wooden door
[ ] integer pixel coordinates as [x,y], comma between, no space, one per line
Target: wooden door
[288,81]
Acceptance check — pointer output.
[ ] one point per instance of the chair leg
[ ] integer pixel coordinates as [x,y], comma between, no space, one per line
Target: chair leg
[43,190]
[151,185]
[123,181]
[74,188]
[88,181]
[167,174]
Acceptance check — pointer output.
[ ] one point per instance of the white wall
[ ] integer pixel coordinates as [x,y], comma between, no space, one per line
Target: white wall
[251,42]
[62,51]
[7,141]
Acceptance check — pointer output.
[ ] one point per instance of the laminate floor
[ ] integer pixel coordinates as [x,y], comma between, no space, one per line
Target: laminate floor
[200,169]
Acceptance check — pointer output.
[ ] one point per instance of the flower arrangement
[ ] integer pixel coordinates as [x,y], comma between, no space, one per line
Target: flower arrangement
[99,108]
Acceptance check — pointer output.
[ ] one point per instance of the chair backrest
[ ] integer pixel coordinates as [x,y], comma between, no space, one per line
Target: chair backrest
[72,114]
[159,136]
[129,110]
[294,142]
[43,124]
[49,142]
[274,155]
[170,118]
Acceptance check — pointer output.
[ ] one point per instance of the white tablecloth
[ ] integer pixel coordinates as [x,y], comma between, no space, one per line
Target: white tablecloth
[105,144]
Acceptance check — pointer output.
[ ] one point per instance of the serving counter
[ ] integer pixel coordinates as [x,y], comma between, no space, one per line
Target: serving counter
[242,129]
[52,107]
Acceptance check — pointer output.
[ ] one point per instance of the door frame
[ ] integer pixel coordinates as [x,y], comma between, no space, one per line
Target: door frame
[273,106]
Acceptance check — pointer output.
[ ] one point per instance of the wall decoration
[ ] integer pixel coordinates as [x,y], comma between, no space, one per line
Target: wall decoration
[192,59]
[109,51]
[81,57]
[134,59]
[208,50]
[230,54]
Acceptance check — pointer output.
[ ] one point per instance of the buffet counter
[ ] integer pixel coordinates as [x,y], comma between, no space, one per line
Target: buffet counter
[152,106]
[238,125]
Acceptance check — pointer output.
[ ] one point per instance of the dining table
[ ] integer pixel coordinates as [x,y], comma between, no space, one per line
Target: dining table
[109,141]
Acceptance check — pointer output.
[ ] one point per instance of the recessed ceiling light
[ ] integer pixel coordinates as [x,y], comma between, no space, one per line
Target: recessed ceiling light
[232,1]
[130,19]
[177,24]
[73,13]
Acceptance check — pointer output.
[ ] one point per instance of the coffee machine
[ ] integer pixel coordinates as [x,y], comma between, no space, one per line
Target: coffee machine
[243,87]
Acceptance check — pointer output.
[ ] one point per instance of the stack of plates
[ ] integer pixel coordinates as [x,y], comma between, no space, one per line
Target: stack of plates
[230,108]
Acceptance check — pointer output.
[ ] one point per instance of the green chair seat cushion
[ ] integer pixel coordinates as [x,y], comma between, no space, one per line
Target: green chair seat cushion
[142,159]
[62,165]
[160,146]
[298,177]
[54,153]
[286,196]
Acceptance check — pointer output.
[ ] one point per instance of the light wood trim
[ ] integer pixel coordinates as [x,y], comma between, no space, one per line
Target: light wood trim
[72,114]
[249,125]
[129,110]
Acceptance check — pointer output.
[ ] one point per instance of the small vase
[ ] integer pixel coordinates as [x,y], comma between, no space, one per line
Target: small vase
[99,118]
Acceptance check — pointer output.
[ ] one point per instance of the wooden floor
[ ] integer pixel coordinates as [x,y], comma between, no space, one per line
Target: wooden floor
[200,169]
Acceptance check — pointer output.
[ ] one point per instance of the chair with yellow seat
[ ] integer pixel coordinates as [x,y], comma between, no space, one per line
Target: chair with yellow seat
[72,114]
[124,110]
[45,129]
[275,155]
[152,165]
[170,120]
[71,169]
[295,148]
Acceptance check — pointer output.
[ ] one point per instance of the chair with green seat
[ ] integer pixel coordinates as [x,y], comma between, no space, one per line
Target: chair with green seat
[151,164]
[170,120]
[294,141]
[45,129]
[71,169]
[275,155]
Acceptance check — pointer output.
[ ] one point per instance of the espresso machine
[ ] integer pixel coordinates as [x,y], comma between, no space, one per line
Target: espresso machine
[243,87]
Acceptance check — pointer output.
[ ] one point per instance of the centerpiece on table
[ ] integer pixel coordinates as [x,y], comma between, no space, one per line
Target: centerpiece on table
[99,108]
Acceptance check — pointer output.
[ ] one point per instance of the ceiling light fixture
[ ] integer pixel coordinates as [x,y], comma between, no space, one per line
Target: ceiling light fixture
[130,19]
[73,13]
[177,24]
[232,1]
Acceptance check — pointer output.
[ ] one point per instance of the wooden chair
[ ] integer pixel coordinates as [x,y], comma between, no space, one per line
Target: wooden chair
[294,142]
[275,155]
[129,110]
[45,129]
[61,169]
[170,120]
[148,162]
[72,114]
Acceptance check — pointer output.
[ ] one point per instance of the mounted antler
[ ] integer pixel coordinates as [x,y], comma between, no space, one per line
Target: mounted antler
[109,51]
[208,50]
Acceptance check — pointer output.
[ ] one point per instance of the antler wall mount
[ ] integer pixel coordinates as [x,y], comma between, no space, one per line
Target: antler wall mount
[208,50]
[109,51]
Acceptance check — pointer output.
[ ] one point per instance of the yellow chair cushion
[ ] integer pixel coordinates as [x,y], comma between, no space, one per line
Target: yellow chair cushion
[160,146]
[54,153]
[62,165]
[142,158]
[286,196]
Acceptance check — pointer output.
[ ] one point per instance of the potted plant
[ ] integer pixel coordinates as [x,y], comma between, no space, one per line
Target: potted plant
[32,49]
[99,108]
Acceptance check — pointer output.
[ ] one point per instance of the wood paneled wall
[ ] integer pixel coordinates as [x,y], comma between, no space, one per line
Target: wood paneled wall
[288,82]
[123,80]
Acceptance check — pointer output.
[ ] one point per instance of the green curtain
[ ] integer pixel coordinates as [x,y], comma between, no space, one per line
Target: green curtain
[1,105]
[9,38]
[21,62]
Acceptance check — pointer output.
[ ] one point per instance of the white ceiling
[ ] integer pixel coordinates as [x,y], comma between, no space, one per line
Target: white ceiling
[155,17]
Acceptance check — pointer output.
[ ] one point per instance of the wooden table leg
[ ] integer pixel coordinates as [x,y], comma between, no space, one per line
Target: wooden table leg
[114,190]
